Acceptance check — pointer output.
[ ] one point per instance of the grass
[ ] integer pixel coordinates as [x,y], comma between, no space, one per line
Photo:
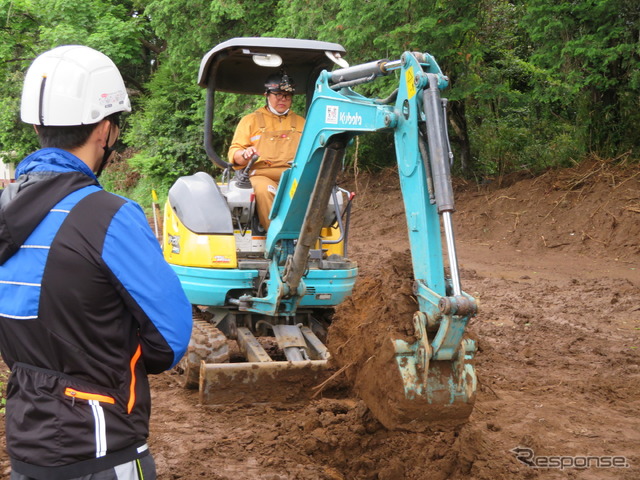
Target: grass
[4,377]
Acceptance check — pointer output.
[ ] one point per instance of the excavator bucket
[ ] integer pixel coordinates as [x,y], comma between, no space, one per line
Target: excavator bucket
[414,373]
[411,398]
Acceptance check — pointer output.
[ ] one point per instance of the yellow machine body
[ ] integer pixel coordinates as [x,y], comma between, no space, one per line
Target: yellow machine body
[183,247]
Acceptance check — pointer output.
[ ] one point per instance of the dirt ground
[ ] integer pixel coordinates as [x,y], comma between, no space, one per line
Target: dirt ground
[555,264]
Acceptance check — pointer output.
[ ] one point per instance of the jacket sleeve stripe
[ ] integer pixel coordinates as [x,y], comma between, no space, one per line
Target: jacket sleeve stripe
[23,271]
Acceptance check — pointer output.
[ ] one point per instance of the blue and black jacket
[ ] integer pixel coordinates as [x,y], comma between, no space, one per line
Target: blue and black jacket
[88,307]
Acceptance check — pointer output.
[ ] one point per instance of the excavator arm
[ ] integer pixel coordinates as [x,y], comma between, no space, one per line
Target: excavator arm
[416,114]
[335,117]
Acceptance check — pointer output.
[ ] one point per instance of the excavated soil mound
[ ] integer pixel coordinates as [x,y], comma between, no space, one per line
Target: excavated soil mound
[591,209]
[361,338]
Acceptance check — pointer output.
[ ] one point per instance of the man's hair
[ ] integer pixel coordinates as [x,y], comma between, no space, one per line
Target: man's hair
[69,137]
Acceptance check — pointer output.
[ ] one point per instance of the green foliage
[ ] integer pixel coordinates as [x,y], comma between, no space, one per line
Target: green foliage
[16,138]
[138,191]
[30,27]
[510,144]
[16,52]
[533,84]
[166,130]
[101,24]
[4,378]
[588,52]
[372,152]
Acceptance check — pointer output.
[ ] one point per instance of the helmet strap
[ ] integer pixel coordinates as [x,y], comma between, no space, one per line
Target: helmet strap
[108,151]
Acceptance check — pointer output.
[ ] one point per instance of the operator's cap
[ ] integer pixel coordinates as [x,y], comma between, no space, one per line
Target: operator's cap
[72,85]
[280,82]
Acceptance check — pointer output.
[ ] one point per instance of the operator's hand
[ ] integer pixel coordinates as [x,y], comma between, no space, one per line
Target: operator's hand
[249,152]
[242,157]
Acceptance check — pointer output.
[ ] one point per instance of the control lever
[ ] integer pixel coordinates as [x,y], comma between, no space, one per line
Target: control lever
[242,179]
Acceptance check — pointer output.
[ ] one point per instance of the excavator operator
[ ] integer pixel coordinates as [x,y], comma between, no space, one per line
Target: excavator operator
[272,132]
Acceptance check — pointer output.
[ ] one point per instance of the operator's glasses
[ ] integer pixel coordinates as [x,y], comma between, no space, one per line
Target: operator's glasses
[280,96]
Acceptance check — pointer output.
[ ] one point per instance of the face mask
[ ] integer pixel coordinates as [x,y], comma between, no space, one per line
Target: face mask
[273,110]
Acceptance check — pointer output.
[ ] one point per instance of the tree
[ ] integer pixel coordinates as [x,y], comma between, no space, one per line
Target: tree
[34,26]
[449,30]
[589,56]
[167,129]
[16,52]
[532,83]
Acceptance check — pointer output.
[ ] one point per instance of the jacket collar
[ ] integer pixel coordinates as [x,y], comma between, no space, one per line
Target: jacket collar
[53,160]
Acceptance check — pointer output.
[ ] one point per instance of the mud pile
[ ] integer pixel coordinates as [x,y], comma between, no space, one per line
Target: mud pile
[361,340]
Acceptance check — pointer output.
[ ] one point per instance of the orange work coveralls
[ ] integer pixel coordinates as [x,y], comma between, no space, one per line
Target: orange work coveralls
[276,137]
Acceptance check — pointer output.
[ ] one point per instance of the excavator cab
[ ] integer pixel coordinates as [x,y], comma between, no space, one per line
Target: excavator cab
[273,301]
[241,65]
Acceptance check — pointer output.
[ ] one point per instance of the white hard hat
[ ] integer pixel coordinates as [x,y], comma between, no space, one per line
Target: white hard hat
[72,85]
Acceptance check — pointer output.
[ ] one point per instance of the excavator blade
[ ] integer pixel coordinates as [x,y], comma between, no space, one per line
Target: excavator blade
[260,382]
[262,379]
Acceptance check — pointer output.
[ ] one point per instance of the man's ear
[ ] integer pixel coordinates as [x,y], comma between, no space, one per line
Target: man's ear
[103,129]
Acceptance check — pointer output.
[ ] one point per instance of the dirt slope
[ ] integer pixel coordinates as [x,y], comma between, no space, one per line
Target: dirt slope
[554,261]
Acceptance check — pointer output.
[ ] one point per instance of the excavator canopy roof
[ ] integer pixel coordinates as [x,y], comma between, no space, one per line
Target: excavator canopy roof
[241,65]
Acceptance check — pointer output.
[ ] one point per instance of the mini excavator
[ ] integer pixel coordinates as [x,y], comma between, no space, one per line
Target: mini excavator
[263,300]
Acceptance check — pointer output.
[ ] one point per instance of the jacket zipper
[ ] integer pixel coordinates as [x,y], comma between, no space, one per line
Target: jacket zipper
[73,393]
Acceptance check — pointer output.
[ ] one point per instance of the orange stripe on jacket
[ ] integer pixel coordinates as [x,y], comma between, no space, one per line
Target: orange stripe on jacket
[132,387]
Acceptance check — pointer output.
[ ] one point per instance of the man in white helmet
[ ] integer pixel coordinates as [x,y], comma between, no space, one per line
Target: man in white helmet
[88,306]
[273,133]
